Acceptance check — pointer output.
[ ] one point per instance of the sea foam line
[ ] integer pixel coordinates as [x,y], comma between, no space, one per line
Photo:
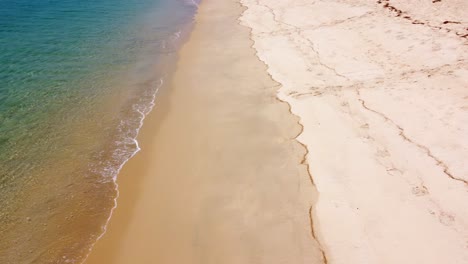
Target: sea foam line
[192,2]
[143,115]
[114,178]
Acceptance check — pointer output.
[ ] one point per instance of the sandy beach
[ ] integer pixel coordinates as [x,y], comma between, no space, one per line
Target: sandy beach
[219,178]
[299,131]
[380,88]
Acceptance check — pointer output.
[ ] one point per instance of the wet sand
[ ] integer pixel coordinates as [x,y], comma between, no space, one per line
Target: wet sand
[220,177]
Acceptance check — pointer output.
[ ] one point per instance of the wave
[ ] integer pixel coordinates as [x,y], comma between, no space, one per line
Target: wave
[192,2]
[126,145]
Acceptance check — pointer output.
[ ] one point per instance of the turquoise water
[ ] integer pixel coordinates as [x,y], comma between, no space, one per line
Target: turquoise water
[77,78]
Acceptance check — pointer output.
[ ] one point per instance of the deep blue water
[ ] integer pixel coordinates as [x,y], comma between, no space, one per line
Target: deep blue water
[76,79]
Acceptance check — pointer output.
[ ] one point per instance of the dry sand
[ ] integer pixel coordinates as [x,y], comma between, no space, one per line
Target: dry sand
[381,90]
[220,177]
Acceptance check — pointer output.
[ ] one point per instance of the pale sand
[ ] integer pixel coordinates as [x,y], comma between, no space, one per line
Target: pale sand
[381,88]
[220,177]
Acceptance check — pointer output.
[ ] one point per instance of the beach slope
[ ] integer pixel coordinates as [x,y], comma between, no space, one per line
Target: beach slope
[220,177]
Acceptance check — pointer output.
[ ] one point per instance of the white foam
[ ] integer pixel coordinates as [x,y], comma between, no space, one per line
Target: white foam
[143,108]
[192,2]
[143,113]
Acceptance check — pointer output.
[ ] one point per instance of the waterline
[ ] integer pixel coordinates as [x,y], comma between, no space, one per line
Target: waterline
[72,102]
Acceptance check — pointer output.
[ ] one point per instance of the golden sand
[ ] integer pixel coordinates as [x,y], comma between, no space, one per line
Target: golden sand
[219,178]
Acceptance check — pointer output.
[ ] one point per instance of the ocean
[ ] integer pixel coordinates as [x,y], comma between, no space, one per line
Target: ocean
[77,78]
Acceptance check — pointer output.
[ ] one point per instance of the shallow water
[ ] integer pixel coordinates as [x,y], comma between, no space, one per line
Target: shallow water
[76,80]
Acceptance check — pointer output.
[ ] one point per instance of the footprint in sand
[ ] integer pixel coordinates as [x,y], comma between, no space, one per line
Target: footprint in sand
[419,190]
[446,219]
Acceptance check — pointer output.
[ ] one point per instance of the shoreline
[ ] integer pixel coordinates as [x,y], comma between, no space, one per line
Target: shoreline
[162,138]
[342,137]
[64,143]
[138,149]
[164,69]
